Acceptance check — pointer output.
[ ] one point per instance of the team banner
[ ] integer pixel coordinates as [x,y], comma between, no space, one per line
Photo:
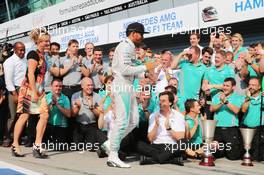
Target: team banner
[65,14]
[170,21]
[199,15]
[97,35]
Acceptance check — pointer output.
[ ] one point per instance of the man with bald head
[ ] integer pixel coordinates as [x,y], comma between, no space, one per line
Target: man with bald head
[15,68]
[85,109]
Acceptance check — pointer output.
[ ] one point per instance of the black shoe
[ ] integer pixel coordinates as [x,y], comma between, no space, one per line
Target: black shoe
[23,140]
[101,153]
[144,160]
[29,144]
[122,156]
[15,152]
[7,143]
[177,161]
[38,152]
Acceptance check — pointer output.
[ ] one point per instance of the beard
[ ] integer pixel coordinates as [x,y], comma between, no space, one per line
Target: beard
[253,91]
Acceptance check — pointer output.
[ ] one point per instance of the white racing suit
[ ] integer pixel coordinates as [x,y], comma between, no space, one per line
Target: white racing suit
[126,108]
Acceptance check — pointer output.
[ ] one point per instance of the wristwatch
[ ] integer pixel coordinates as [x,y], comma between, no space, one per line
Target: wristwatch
[168,129]
[75,105]
[91,107]
[247,99]
[146,75]
[145,110]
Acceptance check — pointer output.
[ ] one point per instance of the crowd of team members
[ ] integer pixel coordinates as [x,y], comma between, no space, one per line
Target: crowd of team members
[221,81]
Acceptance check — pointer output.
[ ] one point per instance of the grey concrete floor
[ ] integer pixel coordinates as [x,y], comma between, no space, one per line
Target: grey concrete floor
[87,163]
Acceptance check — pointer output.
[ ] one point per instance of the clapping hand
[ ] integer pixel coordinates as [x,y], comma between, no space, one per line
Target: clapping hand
[80,58]
[157,120]
[54,99]
[99,68]
[212,36]
[89,101]
[167,123]
[248,58]
[223,98]
[248,93]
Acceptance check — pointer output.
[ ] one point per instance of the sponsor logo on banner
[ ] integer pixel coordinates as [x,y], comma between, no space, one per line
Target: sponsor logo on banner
[206,14]
[161,23]
[40,19]
[214,13]
[97,35]
[62,11]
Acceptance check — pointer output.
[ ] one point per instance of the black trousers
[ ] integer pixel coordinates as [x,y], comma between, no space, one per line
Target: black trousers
[127,144]
[230,142]
[206,110]
[257,145]
[56,135]
[69,91]
[3,119]
[86,135]
[138,134]
[97,90]
[141,132]
[31,128]
[101,136]
[161,153]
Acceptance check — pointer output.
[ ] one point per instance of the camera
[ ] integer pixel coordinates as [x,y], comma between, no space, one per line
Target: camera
[217,35]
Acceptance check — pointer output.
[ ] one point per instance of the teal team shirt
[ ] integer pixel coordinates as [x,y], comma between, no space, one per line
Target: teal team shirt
[252,72]
[262,85]
[217,76]
[240,50]
[197,137]
[136,79]
[191,76]
[56,117]
[108,100]
[252,116]
[224,116]
[180,104]
[152,107]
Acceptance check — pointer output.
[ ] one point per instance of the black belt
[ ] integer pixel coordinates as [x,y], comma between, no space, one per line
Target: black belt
[96,90]
[256,127]
[224,128]
[16,89]
[89,124]
[71,87]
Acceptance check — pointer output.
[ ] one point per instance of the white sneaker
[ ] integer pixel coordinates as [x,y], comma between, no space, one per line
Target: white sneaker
[106,147]
[114,161]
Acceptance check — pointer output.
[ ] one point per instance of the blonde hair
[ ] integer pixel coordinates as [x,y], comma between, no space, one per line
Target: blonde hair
[239,36]
[37,33]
